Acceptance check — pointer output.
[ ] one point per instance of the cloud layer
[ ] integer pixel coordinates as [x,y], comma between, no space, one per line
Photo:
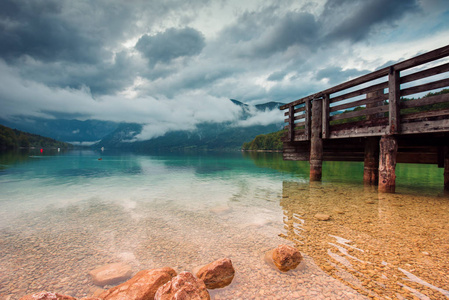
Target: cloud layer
[173,64]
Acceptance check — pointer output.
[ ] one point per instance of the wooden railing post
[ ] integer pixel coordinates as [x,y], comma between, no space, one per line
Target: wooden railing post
[307,119]
[316,142]
[291,123]
[393,99]
[325,116]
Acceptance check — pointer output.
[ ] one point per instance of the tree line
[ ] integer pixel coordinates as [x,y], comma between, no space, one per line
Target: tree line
[15,139]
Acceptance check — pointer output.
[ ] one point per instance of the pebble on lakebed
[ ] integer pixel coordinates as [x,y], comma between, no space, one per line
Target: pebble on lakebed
[322,217]
[284,258]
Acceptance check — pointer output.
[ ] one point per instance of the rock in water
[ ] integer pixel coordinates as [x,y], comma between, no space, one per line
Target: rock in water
[217,274]
[47,296]
[322,217]
[183,287]
[286,258]
[142,286]
[111,274]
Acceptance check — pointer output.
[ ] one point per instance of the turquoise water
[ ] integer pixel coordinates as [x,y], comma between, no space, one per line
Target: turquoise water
[64,213]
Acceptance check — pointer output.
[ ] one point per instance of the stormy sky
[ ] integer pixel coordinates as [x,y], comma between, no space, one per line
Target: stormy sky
[170,64]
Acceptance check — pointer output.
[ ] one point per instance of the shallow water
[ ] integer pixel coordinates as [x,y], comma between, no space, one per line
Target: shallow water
[63,214]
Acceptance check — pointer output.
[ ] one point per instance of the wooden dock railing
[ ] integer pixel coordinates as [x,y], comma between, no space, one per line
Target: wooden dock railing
[392,101]
[376,104]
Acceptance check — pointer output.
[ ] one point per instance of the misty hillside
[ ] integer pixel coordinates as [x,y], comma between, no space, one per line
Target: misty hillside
[251,121]
[67,130]
[13,139]
[206,136]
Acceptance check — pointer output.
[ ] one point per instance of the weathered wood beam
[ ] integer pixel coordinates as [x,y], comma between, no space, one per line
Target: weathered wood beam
[358,132]
[298,102]
[359,92]
[425,101]
[426,126]
[423,58]
[425,87]
[297,110]
[387,164]
[359,113]
[369,100]
[427,114]
[425,73]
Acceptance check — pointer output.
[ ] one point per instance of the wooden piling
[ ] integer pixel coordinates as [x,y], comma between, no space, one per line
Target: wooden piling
[316,142]
[387,164]
[371,161]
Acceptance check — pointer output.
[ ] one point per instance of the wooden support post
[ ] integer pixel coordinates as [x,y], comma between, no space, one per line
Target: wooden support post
[316,143]
[387,164]
[371,163]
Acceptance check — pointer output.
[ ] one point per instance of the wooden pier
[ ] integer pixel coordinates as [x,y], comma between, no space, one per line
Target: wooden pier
[398,114]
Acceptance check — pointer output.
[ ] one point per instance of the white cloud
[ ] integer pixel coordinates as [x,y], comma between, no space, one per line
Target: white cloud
[266,117]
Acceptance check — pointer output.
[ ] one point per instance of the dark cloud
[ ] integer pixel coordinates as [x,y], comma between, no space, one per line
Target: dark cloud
[270,31]
[295,28]
[171,44]
[336,75]
[105,77]
[276,76]
[355,19]
[38,29]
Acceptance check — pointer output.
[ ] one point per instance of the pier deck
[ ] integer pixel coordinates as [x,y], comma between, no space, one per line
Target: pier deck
[398,114]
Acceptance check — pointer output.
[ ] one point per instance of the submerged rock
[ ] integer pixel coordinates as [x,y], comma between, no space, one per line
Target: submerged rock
[217,274]
[47,296]
[142,286]
[322,217]
[183,287]
[286,258]
[111,274]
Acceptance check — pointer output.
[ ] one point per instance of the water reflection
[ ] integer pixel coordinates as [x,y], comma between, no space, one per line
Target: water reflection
[382,245]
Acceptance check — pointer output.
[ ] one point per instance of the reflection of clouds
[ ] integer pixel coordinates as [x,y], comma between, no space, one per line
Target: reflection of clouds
[371,241]
[413,278]
[339,259]
[344,251]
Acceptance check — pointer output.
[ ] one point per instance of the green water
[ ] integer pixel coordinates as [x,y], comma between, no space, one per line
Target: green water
[63,214]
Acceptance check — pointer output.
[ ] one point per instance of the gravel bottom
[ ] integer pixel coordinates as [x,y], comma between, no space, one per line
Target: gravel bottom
[378,247]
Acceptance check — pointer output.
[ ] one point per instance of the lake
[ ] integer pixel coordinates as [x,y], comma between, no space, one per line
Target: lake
[64,214]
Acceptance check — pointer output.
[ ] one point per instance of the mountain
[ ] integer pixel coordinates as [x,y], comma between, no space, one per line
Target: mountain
[206,136]
[67,130]
[13,138]
[227,135]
